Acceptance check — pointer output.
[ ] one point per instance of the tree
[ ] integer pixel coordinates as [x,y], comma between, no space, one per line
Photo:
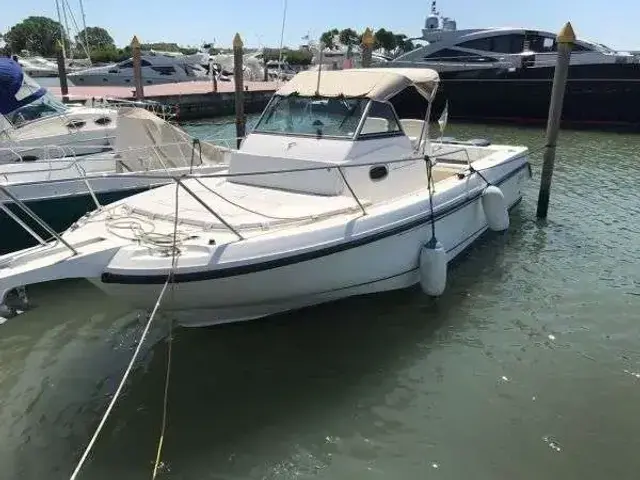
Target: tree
[39,35]
[327,38]
[349,37]
[385,39]
[403,44]
[96,37]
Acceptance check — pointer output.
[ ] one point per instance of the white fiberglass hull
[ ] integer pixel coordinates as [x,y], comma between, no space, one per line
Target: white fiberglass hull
[386,260]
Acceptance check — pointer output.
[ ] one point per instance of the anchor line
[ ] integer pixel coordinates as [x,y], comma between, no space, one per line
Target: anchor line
[134,357]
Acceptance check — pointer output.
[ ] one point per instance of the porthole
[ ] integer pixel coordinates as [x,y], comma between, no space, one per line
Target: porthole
[378,172]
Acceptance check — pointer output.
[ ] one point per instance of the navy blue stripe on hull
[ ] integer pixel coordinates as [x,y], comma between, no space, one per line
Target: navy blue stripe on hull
[108,277]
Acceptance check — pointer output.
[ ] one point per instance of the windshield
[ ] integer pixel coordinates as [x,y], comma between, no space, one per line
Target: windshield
[295,115]
[45,106]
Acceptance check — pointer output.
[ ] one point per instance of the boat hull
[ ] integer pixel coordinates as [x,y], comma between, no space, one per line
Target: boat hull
[387,262]
[596,96]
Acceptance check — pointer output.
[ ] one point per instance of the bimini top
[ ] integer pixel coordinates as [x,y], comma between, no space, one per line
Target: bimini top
[375,83]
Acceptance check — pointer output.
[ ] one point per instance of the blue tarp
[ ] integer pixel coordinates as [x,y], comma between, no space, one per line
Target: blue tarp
[11,80]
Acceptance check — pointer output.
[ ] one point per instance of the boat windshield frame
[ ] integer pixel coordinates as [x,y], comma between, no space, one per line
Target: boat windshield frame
[356,113]
[48,105]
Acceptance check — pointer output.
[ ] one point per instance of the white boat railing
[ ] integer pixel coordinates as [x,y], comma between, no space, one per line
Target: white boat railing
[180,179]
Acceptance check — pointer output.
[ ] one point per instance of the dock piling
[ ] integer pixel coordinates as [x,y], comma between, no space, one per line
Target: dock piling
[62,73]
[566,39]
[137,67]
[367,47]
[238,78]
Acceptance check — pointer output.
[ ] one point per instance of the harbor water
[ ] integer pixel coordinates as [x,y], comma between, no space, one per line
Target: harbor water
[528,366]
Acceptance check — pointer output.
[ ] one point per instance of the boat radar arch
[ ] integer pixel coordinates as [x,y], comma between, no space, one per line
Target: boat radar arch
[432,21]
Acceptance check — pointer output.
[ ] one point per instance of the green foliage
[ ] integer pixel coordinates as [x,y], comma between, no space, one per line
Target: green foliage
[392,43]
[97,37]
[38,35]
[327,38]
[293,57]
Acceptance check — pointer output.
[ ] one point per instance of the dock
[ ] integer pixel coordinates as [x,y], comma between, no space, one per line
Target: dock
[191,100]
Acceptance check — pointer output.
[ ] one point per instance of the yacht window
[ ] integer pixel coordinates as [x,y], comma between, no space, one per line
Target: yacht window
[145,63]
[380,120]
[313,116]
[449,55]
[164,70]
[512,43]
[580,48]
[126,64]
[540,44]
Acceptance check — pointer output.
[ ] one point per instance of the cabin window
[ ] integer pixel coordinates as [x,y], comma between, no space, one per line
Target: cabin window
[512,43]
[540,44]
[126,64]
[312,116]
[449,55]
[380,120]
[164,70]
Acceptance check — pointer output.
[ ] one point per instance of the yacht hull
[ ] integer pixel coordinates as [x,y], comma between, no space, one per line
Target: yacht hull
[386,261]
[596,95]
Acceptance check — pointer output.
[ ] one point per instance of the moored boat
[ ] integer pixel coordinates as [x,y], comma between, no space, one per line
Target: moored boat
[331,195]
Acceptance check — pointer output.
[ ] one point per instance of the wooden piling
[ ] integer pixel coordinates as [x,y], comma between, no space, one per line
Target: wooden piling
[62,73]
[137,67]
[566,39]
[238,78]
[367,47]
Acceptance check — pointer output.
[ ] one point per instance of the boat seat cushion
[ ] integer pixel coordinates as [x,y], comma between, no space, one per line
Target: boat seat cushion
[320,181]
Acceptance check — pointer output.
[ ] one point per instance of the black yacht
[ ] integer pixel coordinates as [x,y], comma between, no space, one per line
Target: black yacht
[507,74]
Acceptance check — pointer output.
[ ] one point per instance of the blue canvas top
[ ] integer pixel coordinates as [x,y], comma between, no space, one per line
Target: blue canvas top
[11,80]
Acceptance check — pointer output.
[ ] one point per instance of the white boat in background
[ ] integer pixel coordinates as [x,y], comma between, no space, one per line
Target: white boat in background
[61,190]
[38,66]
[331,195]
[35,125]
[157,68]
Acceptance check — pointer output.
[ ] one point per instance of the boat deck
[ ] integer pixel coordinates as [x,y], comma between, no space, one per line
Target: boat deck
[242,206]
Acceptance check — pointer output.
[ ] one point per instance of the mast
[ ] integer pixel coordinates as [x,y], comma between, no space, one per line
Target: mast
[84,27]
[62,33]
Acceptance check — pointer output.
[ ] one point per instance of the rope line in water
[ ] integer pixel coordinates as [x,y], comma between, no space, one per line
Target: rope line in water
[165,400]
[134,357]
[122,382]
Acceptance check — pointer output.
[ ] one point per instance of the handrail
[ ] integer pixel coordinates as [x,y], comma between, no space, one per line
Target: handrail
[36,218]
[180,183]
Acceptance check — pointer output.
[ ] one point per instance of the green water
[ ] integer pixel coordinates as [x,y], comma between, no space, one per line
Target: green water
[528,367]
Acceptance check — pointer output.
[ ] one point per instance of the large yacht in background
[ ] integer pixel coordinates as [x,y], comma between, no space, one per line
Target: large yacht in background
[507,74]
[157,68]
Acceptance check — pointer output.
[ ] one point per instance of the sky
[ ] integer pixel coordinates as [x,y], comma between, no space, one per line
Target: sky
[259,22]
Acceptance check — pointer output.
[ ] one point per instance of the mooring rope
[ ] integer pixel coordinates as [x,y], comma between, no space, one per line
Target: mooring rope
[134,357]
[165,400]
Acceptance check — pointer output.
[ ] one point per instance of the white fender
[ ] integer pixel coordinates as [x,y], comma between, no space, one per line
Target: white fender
[495,208]
[433,268]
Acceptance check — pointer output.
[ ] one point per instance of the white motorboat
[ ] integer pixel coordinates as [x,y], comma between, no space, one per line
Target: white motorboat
[157,68]
[327,197]
[35,125]
[61,190]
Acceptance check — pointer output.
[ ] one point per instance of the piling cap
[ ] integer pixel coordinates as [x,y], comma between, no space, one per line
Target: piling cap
[567,35]
[237,41]
[135,43]
[367,37]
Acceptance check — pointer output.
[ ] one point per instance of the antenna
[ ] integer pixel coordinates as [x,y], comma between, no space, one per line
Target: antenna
[319,69]
[284,19]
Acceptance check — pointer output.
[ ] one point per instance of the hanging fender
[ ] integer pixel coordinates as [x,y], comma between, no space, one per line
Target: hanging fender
[495,209]
[433,268]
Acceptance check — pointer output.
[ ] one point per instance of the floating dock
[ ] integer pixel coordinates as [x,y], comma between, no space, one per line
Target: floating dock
[191,100]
